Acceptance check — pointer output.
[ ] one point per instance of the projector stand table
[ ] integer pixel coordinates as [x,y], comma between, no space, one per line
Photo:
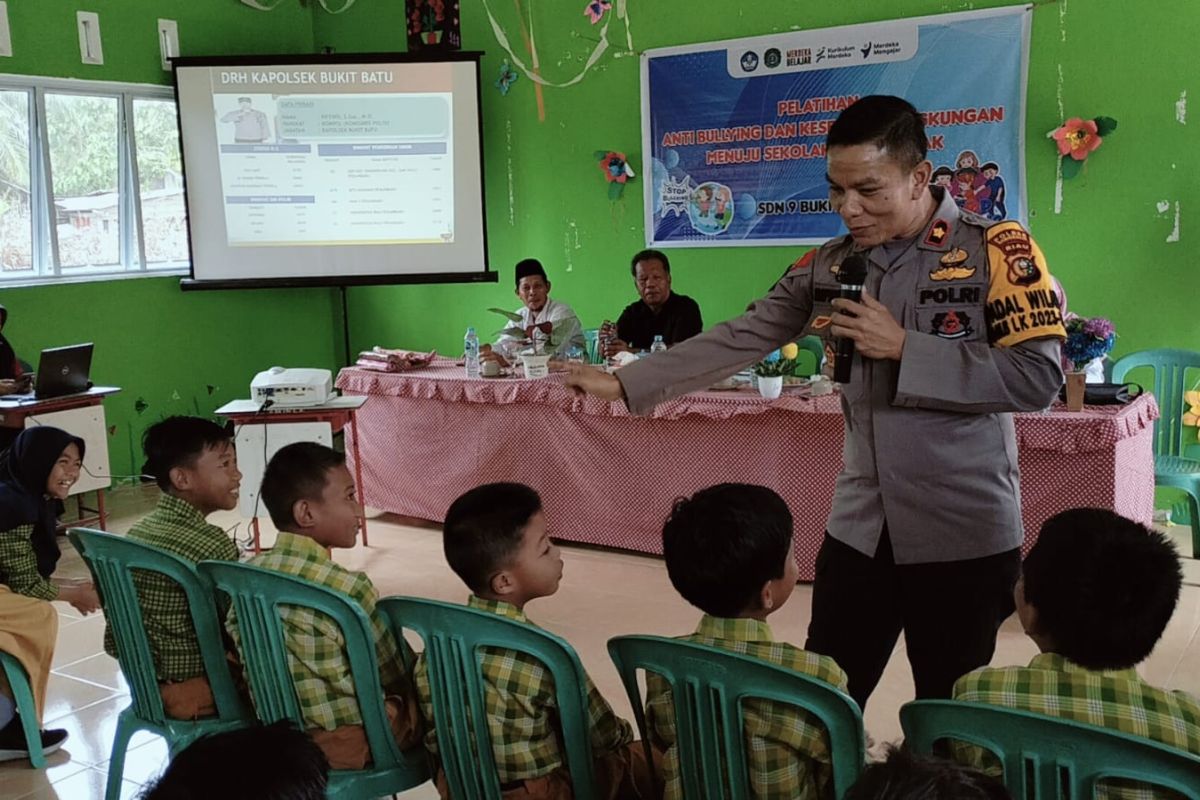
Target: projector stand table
[339,412]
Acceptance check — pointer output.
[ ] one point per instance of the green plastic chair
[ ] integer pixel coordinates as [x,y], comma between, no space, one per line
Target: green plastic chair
[18,683]
[1047,758]
[713,685]
[1170,467]
[591,338]
[111,559]
[257,595]
[453,637]
[814,345]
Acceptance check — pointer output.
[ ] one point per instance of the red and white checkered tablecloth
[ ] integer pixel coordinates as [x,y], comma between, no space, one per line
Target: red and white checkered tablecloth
[609,478]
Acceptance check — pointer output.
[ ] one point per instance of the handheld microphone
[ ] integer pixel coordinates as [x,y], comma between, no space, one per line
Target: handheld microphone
[852,274]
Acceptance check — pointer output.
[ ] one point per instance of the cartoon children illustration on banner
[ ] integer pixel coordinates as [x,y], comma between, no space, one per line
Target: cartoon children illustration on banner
[977,189]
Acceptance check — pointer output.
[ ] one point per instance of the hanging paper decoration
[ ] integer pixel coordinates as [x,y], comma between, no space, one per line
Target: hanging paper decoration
[595,9]
[433,25]
[616,171]
[508,76]
[1077,138]
[529,67]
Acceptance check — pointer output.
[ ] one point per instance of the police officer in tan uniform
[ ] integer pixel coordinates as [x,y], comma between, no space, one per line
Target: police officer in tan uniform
[958,327]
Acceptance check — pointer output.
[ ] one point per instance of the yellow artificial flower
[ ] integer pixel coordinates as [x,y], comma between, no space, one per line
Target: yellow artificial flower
[790,351]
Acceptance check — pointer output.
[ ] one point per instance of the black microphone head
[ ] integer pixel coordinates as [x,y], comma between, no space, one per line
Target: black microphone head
[853,270]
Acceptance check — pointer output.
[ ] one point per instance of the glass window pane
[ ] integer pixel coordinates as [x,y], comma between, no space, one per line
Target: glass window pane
[83,133]
[160,181]
[16,218]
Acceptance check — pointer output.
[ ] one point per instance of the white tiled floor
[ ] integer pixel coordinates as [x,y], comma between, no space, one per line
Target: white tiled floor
[601,594]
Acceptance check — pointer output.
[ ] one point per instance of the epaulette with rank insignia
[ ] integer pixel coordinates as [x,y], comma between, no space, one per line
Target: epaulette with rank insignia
[975,219]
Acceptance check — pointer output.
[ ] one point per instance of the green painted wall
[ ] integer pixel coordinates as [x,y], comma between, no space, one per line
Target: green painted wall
[163,346]
[545,197]
[46,41]
[381,30]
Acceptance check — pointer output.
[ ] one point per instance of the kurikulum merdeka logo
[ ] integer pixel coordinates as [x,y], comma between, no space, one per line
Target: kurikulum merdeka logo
[952,325]
[772,58]
[749,61]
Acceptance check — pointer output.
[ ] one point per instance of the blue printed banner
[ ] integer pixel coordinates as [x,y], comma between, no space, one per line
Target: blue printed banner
[734,132]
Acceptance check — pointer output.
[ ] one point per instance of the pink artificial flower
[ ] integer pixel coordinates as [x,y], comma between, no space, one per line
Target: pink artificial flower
[595,9]
[1077,138]
[613,167]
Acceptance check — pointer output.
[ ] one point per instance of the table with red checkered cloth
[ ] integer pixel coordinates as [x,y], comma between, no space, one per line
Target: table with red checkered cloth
[609,478]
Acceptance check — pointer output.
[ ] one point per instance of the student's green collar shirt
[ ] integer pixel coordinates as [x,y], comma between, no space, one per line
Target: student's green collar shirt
[316,646]
[521,708]
[789,753]
[178,527]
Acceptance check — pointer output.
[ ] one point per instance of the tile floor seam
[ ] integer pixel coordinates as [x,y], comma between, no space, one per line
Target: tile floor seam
[76,711]
[116,690]
[1194,640]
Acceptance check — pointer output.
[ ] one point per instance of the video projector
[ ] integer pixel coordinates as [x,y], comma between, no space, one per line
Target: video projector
[292,387]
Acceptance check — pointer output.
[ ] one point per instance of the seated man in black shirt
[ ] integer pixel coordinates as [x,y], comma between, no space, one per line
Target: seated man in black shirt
[659,312]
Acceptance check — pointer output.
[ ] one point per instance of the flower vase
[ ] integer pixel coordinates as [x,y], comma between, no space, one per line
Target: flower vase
[770,387]
[1076,381]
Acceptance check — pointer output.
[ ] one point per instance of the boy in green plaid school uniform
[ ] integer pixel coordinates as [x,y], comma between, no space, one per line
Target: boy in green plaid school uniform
[1095,594]
[310,496]
[495,539]
[195,464]
[728,551]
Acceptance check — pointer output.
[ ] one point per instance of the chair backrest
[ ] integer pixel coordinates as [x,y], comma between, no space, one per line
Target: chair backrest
[1170,382]
[814,345]
[111,559]
[591,337]
[454,637]
[709,688]
[1047,758]
[257,596]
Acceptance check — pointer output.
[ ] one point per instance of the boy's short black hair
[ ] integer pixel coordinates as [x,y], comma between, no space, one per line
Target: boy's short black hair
[646,255]
[1104,587]
[299,471]
[890,123]
[990,165]
[484,528]
[723,543]
[902,776]
[178,442]
[288,766]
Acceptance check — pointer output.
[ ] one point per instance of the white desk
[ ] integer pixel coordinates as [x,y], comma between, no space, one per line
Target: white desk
[81,415]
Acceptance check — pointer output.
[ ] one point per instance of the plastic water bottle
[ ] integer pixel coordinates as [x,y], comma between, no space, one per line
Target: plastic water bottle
[471,353]
[658,346]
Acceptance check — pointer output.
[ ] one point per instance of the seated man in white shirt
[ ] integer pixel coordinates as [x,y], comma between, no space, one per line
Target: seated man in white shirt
[533,287]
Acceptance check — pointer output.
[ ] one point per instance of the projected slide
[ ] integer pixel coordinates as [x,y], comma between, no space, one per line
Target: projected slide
[333,157]
[315,170]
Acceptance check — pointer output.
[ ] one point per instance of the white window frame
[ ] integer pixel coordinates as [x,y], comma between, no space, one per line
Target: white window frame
[132,244]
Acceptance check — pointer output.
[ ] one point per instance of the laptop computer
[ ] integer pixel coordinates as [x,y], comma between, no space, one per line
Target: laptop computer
[61,371]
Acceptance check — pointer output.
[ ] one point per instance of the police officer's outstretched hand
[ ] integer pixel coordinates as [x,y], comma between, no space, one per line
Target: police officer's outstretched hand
[875,332]
[589,380]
